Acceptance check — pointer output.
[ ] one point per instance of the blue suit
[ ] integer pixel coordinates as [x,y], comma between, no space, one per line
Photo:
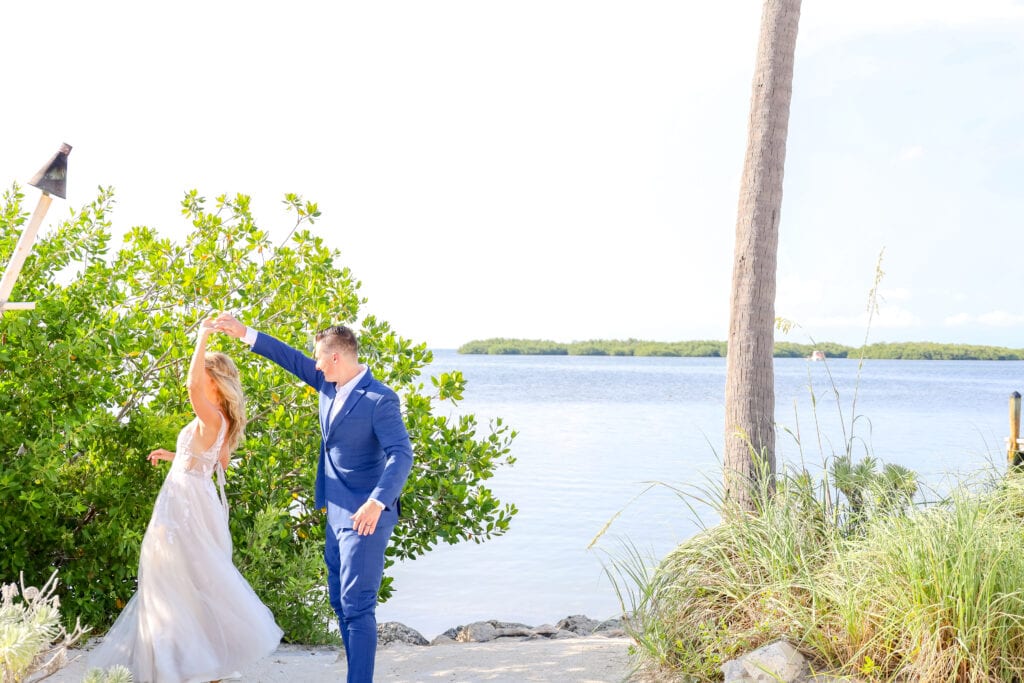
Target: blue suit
[364,453]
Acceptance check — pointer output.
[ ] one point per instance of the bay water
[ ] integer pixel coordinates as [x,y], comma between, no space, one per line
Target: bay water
[616,439]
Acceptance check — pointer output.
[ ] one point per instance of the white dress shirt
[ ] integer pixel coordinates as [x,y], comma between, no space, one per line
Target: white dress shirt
[250,336]
[342,393]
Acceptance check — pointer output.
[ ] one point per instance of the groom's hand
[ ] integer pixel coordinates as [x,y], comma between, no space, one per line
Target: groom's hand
[226,323]
[365,519]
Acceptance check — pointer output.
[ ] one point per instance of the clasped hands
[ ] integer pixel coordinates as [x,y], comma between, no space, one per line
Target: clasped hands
[226,323]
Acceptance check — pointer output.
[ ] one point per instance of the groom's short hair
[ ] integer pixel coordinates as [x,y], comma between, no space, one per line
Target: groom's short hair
[339,338]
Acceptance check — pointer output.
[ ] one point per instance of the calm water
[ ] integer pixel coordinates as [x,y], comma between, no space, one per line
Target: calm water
[595,432]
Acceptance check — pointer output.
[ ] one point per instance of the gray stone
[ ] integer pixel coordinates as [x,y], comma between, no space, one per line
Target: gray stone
[610,625]
[395,632]
[492,629]
[544,631]
[773,663]
[611,633]
[578,624]
[477,632]
[509,625]
[484,631]
[514,635]
[562,634]
[735,672]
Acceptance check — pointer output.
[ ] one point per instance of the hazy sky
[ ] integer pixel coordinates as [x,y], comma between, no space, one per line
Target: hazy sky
[555,169]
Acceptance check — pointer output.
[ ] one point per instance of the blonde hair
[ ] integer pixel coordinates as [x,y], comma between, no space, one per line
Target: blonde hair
[224,373]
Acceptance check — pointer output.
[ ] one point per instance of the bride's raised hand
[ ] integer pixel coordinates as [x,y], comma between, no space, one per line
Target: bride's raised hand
[160,454]
[226,323]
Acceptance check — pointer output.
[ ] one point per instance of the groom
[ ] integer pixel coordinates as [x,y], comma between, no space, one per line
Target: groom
[365,458]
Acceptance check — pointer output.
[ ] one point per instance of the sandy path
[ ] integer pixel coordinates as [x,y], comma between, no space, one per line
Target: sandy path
[593,659]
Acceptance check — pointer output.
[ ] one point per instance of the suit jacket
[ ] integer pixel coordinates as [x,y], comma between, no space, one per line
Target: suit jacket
[364,453]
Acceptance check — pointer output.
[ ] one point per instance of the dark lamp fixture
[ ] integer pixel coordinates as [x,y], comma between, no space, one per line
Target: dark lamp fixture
[53,178]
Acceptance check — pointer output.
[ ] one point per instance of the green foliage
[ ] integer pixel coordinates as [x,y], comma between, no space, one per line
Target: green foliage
[717,349]
[500,346]
[870,492]
[932,596]
[299,595]
[830,349]
[930,593]
[627,347]
[933,351]
[115,674]
[733,587]
[93,379]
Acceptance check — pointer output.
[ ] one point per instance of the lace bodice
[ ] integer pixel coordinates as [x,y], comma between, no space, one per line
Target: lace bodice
[201,463]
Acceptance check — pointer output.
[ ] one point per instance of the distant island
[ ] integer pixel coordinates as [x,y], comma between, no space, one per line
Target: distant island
[711,349]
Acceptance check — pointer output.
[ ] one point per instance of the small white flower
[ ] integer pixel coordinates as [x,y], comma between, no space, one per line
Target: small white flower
[9,591]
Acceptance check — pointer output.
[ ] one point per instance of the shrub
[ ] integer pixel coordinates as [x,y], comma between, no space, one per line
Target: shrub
[927,593]
[32,639]
[115,674]
[93,380]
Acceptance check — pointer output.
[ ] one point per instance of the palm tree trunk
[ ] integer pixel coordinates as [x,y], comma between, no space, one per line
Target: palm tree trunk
[750,378]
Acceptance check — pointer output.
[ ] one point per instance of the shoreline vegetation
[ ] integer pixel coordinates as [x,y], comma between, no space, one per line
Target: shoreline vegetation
[868,578]
[716,349]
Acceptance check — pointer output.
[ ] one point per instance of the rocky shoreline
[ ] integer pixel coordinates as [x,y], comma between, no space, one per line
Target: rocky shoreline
[575,626]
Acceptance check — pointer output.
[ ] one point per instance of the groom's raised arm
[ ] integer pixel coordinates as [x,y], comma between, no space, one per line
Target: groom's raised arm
[292,360]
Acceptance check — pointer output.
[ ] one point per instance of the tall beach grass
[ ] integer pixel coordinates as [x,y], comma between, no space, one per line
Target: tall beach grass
[934,593]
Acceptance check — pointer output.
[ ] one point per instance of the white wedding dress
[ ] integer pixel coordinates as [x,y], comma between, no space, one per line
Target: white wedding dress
[194,617]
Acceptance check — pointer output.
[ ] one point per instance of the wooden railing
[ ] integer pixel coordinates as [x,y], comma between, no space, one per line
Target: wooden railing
[1014,455]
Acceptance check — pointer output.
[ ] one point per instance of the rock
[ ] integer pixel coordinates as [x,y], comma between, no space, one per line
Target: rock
[773,663]
[578,624]
[395,632]
[544,631]
[611,633]
[484,631]
[562,634]
[477,632]
[735,672]
[510,626]
[612,628]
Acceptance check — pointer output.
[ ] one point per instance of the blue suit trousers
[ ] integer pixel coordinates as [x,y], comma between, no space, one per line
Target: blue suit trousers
[355,566]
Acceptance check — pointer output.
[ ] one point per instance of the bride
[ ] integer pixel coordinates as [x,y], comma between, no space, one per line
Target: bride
[194,617]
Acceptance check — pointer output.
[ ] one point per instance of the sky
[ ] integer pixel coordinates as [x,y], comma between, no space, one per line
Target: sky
[555,169]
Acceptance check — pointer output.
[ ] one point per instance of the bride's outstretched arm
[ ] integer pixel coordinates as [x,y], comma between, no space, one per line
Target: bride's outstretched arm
[160,454]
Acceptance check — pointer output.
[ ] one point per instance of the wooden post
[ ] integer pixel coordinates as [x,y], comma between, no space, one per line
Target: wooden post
[1012,450]
[21,252]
